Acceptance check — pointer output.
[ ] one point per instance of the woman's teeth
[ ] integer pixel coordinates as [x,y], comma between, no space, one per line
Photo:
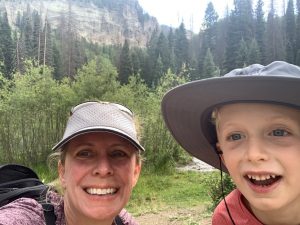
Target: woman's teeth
[101,191]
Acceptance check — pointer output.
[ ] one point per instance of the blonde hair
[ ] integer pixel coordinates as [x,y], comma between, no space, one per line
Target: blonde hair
[214,116]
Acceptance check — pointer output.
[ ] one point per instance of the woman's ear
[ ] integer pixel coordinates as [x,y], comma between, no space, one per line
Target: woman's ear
[136,173]
[61,173]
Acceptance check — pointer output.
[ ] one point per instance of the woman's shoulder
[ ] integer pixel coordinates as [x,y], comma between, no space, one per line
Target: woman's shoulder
[22,211]
[58,204]
[127,218]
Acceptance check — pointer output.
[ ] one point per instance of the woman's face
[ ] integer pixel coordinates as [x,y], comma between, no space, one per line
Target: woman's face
[98,175]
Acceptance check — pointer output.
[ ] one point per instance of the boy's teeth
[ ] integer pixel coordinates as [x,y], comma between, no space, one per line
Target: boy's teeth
[260,177]
[100,191]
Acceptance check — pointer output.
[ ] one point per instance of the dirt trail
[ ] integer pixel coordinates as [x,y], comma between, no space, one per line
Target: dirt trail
[191,216]
[182,216]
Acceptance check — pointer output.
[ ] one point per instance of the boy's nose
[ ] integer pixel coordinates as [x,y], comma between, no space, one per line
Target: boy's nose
[103,167]
[256,151]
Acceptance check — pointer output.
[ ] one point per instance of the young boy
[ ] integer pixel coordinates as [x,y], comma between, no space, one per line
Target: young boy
[246,123]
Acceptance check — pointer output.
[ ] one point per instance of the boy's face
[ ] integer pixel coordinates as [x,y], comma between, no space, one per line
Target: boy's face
[261,150]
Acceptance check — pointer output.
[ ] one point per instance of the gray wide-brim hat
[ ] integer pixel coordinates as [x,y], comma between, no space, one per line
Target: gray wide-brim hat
[187,108]
[95,116]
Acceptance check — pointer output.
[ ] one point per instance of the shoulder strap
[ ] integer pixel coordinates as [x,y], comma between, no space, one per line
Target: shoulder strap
[118,220]
[18,181]
[50,217]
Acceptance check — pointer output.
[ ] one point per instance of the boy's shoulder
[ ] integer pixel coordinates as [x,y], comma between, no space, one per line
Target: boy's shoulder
[238,210]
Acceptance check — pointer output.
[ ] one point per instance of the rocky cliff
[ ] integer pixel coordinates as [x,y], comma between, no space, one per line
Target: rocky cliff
[97,23]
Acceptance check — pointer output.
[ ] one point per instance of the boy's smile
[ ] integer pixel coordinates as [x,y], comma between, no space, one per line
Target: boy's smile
[261,150]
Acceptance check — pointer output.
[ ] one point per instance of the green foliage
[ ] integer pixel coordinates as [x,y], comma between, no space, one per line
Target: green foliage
[213,186]
[33,114]
[95,79]
[6,47]
[209,67]
[34,110]
[125,64]
[155,192]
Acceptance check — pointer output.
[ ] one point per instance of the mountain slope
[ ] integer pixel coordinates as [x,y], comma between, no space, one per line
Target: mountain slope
[109,23]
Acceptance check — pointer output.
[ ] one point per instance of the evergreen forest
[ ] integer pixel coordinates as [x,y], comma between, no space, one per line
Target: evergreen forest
[46,71]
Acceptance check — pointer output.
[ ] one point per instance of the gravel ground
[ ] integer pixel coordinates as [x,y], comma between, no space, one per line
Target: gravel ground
[192,216]
[197,165]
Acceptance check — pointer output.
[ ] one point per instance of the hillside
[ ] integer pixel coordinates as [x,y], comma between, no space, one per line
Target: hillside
[105,22]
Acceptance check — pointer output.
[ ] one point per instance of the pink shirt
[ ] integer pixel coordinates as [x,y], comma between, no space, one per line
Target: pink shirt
[239,213]
[27,211]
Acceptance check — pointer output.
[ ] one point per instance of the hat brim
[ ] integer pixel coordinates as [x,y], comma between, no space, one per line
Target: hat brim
[187,109]
[112,130]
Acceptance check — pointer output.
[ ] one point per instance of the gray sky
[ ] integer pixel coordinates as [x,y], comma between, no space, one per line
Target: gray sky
[172,12]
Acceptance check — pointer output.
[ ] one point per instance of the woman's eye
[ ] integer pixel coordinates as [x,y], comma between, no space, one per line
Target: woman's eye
[279,132]
[234,137]
[84,154]
[118,154]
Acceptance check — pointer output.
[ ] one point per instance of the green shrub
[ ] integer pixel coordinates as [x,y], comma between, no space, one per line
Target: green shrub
[214,186]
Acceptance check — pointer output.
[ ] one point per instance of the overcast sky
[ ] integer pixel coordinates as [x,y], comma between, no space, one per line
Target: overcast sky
[171,12]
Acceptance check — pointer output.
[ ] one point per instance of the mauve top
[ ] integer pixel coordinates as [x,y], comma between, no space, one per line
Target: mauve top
[27,211]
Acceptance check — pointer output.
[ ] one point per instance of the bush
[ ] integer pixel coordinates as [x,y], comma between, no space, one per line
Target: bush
[214,186]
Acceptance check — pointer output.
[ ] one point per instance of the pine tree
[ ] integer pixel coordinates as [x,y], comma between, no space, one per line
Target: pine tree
[125,64]
[27,34]
[148,72]
[209,67]
[6,47]
[36,36]
[163,51]
[290,33]
[240,27]
[274,35]
[171,43]
[260,32]
[209,40]
[181,48]
[254,55]
[242,54]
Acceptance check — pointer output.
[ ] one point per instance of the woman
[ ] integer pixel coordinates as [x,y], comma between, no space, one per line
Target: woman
[99,164]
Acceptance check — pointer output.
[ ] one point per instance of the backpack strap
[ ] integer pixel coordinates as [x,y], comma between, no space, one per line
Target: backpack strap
[49,214]
[10,194]
[118,220]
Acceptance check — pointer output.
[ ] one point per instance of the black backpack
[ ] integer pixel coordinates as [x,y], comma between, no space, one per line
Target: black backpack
[18,181]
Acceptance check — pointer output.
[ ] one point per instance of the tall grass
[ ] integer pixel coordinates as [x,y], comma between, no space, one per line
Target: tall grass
[177,190]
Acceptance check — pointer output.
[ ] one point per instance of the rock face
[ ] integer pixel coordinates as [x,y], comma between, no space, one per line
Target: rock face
[123,19]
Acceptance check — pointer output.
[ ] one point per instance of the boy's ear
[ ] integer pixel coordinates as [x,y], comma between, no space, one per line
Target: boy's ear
[218,149]
[220,153]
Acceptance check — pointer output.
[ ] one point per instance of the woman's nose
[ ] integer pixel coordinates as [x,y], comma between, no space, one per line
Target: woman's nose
[103,167]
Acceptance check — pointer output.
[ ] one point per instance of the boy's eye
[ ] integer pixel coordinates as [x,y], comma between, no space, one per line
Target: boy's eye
[234,137]
[279,132]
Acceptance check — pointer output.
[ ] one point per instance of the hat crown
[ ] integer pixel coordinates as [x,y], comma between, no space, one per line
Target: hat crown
[100,115]
[276,68]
